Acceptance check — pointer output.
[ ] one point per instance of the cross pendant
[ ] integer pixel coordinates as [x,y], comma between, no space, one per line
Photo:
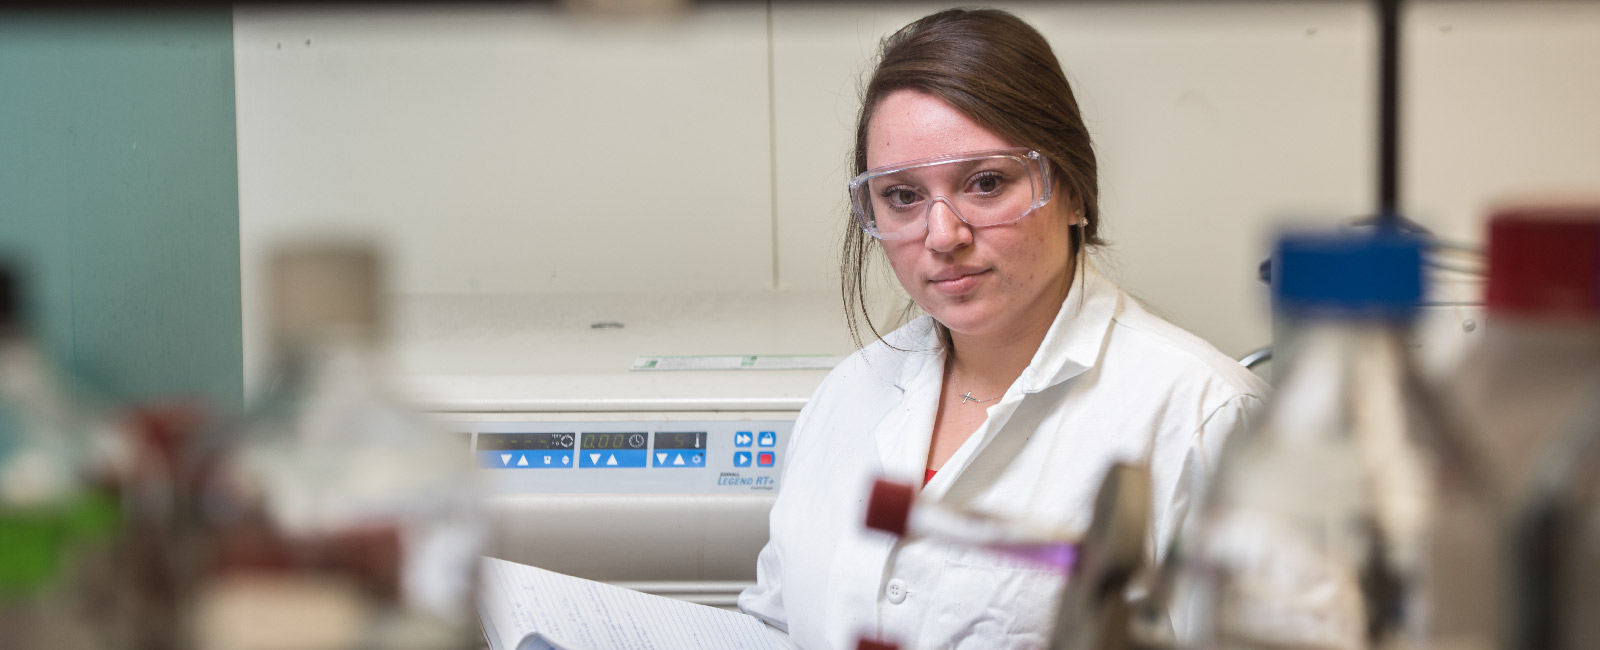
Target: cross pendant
[968,398]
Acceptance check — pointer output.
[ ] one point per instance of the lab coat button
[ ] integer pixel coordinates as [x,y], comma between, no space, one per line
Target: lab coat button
[896,591]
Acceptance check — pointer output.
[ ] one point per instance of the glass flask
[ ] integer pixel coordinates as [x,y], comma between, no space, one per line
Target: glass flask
[1339,521]
[1540,354]
[1545,277]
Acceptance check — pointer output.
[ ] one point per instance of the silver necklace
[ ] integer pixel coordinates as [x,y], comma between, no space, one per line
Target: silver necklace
[969,398]
[950,374]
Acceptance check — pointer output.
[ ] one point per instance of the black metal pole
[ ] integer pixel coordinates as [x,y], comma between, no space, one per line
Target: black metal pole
[1388,112]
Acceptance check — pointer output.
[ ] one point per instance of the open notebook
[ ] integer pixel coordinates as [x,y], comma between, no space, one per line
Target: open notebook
[528,608]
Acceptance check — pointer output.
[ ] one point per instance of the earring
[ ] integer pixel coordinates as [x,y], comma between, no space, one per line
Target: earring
[1082,222]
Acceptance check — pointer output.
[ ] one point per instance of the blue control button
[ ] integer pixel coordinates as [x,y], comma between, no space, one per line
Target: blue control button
[680,458]
[512,459]
[742,439]
[769,439]
[612,458]
[741,459]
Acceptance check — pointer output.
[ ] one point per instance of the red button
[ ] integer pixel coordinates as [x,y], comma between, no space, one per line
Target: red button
[764,459]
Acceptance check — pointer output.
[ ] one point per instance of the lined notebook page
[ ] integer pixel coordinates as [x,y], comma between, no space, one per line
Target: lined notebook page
[528,608]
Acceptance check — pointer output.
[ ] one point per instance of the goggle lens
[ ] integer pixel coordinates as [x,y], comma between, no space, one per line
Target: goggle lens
[982,189]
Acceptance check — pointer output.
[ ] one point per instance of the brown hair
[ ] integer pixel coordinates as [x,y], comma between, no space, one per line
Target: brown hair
[1001,73]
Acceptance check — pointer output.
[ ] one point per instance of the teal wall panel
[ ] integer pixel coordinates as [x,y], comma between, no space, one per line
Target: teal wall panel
[119,188]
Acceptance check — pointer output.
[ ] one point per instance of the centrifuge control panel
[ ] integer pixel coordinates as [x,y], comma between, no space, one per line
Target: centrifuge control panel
[710,457]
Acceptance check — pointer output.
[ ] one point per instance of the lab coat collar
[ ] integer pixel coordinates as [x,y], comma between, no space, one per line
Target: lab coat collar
[919,345]
[921,365]
[1071,346]
[1075,339]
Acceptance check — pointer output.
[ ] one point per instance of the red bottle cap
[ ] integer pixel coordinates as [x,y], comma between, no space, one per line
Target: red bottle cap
[1544,262]
[889,507]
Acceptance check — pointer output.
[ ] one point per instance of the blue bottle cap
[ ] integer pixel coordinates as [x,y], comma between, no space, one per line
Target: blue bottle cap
[1363,277]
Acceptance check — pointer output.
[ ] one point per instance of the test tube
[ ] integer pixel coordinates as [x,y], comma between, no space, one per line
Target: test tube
[894,508]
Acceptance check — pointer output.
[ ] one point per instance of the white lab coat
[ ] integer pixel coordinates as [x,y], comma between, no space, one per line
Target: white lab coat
[1110,382]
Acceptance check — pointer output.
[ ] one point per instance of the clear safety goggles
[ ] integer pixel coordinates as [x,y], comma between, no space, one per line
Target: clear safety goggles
[982,188]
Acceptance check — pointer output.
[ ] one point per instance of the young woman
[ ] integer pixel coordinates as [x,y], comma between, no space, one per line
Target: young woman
[1028,376]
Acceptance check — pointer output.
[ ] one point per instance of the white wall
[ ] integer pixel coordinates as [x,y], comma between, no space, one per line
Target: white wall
[515,149]
[1504,102]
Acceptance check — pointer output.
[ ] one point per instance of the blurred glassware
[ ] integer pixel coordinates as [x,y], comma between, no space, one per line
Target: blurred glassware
[1097,563]
[1559,541]
[61,574]
[333,517]
[1322,526]
[1534,394]
[1541,349]
[894,508]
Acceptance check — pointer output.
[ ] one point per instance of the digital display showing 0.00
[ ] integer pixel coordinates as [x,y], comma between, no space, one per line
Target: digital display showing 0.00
[599,441]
